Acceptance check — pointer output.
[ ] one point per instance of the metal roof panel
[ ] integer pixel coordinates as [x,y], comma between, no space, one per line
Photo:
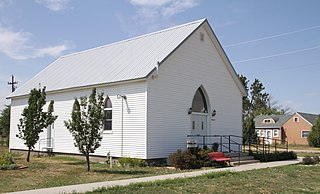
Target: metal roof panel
[125,60]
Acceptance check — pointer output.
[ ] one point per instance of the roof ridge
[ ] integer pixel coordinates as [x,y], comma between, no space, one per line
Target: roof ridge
[136,37]
[308,113]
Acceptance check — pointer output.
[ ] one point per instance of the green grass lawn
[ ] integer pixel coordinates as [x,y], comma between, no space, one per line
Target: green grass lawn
[287,179]
[61,170]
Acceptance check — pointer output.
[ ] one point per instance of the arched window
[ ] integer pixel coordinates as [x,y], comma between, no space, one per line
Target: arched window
[199,103]
[108,114]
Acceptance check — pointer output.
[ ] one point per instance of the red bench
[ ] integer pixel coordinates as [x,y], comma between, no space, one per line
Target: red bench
[218,157]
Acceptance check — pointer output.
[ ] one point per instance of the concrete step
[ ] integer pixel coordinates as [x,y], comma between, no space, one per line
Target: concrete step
[236,163]
[242,158]
[232,154]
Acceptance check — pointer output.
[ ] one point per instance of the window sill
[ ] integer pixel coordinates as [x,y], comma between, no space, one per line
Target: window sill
[107,132]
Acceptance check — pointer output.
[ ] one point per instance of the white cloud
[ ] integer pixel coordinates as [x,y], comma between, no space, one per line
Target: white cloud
[14,44]
[149,3]
[53,50]
[178,6]
[54,5]
[149,11]
[17,45]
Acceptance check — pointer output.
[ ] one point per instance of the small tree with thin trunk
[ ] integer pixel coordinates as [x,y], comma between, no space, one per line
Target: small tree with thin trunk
[86,124]
[5,123]
[34,119]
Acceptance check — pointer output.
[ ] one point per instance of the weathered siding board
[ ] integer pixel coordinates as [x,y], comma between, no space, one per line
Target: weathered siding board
[170,95]
[134,121]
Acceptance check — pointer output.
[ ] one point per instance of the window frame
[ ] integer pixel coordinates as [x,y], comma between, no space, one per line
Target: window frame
[296,119]
[276,134]
[258,132]
[105,119]
[305,131]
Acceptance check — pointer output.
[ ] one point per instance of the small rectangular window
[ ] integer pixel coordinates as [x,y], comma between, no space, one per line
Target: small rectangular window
[262,133]
[202,125]
[193,125]
[258,133]
[305,134]
[296,119]
[275,133]
[201,37]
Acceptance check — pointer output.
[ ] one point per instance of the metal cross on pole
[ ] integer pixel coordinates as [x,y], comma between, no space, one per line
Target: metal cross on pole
[12,83]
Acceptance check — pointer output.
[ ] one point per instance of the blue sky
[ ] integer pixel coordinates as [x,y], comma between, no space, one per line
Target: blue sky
[275,41]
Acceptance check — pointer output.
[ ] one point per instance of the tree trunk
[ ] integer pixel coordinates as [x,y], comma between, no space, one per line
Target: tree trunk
[88,162]
[28,157]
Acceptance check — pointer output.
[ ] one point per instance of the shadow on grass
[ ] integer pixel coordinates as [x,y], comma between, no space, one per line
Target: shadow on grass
[113,171]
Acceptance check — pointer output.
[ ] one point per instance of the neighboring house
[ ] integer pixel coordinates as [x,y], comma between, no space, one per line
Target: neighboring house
[158,87]
[291,128]
[299,126]
[271,127]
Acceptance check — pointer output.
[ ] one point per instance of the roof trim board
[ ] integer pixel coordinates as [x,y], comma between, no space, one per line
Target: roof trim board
[304,119]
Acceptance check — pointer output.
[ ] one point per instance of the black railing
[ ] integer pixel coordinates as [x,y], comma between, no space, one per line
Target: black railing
[227,143]
[235,144]
[265,145]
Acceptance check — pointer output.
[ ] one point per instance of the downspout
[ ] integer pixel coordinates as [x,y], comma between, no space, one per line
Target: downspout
[157,71]
[123,97]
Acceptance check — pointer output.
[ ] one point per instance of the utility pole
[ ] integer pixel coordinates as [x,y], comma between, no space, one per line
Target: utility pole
[12,83]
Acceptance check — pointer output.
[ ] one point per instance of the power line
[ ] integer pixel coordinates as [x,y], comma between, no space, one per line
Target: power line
[273,36]
[276,55]
[286,68]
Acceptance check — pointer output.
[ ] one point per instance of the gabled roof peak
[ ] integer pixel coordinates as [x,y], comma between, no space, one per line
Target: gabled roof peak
[311,118]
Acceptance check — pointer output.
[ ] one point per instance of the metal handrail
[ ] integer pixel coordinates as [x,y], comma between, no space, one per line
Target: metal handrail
[46,140]
[258,145]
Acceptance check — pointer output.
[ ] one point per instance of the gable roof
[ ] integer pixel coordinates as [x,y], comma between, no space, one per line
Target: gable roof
[130,59]
[280,120]
[311,118]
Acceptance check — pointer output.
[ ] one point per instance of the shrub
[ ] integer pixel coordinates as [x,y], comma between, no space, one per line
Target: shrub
[183,160]
[6,159]
[308,160]
[317,159]
[131,162]
[202,157]
[276,156]
[9,167]
[311,160]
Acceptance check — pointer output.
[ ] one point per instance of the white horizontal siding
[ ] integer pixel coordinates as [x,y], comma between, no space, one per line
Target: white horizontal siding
[134,121]
[170,96]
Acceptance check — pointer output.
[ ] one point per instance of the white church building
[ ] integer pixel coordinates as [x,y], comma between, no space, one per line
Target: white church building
[159,88]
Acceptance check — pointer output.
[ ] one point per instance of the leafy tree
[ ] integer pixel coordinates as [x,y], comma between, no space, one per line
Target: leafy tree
[34,119]
[249,130]
[256,103]
[246,106]
[5,123]
[259,99]
[314,136]
[86,123]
